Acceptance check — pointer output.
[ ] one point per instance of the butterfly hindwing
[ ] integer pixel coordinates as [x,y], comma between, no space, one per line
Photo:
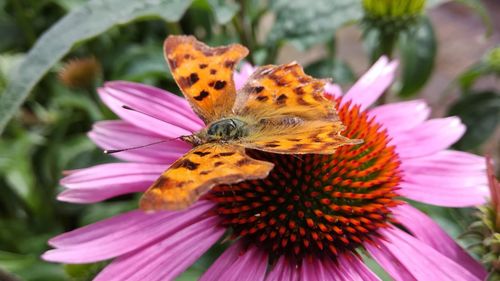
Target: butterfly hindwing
[292,135]
[204,74]
[199,170]
[283,90]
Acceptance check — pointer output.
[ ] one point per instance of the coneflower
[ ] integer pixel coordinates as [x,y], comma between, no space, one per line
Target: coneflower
[310,219]
[81,73]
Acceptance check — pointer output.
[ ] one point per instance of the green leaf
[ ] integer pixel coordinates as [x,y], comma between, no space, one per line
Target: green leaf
[8,64]
[141,63]
[480,112]
[488,65]
[84,272]
[469,77]
[305,23]
[88,21]
[418,52]
[30,267]
[327,68]
[224,10]
[16,166]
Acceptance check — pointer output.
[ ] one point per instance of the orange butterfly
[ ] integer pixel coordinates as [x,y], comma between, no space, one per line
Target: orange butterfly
[279,110]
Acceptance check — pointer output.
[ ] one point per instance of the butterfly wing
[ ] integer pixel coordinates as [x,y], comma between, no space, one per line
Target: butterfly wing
[199,170]
[289,111]
[296,136]
[283,90]
[204,74]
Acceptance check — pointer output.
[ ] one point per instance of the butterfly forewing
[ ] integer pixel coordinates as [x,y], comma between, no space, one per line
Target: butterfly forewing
[204,74]
[283,90]
[199,170]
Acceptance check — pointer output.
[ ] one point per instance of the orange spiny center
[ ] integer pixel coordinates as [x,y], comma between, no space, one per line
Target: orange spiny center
[317,204]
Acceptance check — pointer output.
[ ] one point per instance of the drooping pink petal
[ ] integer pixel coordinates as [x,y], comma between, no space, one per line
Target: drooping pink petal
[238,264]
[372,84]
[121,234]
[283,270]
[167,258]
[355,269]
[121,135]
[313,270]
[428,138]
[429,232]
[240,77]
[419,259]
[174,111]
[104,181]
[401,116]
[389,262]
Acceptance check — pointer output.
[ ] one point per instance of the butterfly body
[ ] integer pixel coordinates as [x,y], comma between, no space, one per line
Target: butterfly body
[228,129]
[279,110]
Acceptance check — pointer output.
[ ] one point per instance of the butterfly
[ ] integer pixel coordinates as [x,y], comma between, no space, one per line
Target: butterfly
[280,109]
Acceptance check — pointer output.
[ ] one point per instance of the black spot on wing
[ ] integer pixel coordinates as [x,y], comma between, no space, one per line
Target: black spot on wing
[193,78]
[262,98]
[271,145]
[281,99]
[201,153]
[185,163]
[223,154]
[186,82]
[229,63]
[243,162]
[218,85]
[203,94]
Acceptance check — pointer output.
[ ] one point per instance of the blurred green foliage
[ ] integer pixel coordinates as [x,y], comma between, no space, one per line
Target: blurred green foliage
[47,133]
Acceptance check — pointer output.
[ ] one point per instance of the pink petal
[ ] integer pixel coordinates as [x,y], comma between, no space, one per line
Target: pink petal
[443,178]
[121,234]
[283,270]
[119,135]
[166,259]
[241,77]
[389,262]
[372,84]
[420,260]
[238,264]
[401,116]
[313,270]
[352,266]
[104,181]
[429,232]
[333,90]
[177,118]
[448,178]
[334,272]
[445,161]
[445,196]
[428,138]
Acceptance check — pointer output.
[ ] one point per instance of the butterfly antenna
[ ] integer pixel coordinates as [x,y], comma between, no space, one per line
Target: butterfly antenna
[111,151]
[147,114]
